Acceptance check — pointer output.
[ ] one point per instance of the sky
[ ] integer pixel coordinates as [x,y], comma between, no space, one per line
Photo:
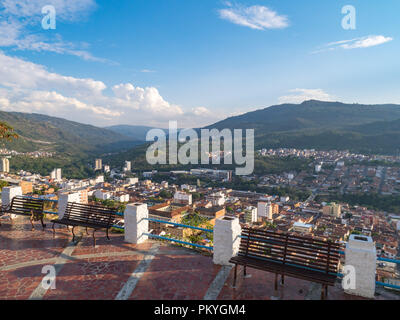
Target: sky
[145,62]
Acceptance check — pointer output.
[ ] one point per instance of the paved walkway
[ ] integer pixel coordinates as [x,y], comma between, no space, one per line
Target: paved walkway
[122,271]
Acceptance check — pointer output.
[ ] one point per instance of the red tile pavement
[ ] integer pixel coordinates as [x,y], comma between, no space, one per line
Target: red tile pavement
[93,279]
[18,243]
[176,277]
[259,285]
[19,284]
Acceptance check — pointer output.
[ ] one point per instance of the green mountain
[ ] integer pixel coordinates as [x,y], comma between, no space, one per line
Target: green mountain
[136,132]
[323,125]
[41,132]
[311,114]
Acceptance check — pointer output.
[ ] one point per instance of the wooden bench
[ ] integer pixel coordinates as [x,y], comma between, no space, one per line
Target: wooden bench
[25,206]
[289,255]
[88,216]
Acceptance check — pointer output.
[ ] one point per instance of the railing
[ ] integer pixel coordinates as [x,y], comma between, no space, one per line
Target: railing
[121,214]
[179,241]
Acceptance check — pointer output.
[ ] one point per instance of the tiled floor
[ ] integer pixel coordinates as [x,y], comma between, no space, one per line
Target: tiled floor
[150,271]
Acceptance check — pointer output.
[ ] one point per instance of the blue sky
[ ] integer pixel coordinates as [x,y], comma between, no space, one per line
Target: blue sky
[144,62]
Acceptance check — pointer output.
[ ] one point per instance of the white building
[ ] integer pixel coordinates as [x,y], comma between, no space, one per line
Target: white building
[182,198]
[285,199]
[265,210]
[149,174]
[100,194]
[4,165]
[78,196]
[128,166]
[98,165]
[132,181]
[318,168]
[250,215]
[164,184]
[106,169]
[188,187]
[99,179]
[217,199]
[121,197]
[302,228]
[56,174]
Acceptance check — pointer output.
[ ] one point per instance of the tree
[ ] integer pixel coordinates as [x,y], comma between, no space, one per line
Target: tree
[7,132]
[165,194]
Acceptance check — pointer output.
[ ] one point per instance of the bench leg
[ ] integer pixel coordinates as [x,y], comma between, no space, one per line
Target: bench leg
[283,279]
[87,232]
[323,292]
[43,224]
[235,276]
[245,271]
[94,239]
[108,238]
[326,292]
[54,231]
[31,220]
[276,282]
[73,234]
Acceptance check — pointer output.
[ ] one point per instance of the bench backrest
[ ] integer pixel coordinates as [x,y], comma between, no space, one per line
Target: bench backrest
[318,255]
[94,214]
[24,206]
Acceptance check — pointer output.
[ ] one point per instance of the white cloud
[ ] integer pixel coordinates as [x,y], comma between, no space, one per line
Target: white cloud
[201,111]
[68,10]
[255,17]
[29,87]
[357,43]
[301,95]
[18,16]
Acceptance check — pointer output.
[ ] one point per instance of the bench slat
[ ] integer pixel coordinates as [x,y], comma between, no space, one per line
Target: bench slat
[301,257]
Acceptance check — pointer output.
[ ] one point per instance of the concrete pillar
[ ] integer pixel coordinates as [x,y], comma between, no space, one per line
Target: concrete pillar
[63,199]
[361,254]
[136,223]
[7,194]
[227,233]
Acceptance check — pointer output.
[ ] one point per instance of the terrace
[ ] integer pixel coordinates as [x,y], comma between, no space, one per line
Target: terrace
[118,270]
[156,269]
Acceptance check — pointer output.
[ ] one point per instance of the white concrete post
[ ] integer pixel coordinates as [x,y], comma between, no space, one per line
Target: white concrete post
[136,223]
[7,194]
[63,199]
[361,254]
[227,233]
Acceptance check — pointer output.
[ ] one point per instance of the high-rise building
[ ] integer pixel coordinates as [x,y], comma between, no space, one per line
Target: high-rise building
[98,164]
[332,209]
[265,210]
[56,174]
[5,165]
[250,215]
[128,166]
[107,169]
